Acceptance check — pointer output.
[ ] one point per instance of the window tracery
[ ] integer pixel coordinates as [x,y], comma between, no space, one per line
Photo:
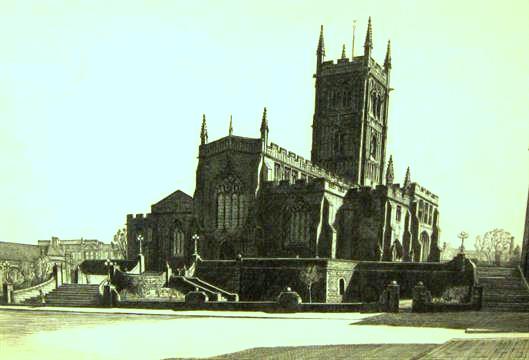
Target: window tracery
[299,225]
[178,242]
[231,204]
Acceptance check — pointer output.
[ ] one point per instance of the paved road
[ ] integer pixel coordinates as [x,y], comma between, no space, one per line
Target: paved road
[154,335]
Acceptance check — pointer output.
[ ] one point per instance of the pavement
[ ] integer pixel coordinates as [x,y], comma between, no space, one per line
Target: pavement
[28,332]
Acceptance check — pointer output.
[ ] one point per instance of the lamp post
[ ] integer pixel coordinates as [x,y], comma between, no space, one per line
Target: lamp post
[139,238]
[195,239]
[462,235]
[108,264]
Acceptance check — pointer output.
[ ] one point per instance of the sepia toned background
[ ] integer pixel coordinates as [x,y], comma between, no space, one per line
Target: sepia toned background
[101,101]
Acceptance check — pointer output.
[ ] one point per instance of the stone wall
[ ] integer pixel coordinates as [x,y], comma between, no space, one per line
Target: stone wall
[337,280]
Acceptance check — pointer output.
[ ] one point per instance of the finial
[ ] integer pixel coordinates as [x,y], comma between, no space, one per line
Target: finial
[321,44]
[230,130]
[390,175]
[387,61]
[354,35]
[344,56]
[407,178]
[264,121]
[203,131]
[368,44]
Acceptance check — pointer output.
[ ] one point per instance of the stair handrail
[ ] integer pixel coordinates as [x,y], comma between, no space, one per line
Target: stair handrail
[44,286]
[199,286]
[524,280]
[223,291]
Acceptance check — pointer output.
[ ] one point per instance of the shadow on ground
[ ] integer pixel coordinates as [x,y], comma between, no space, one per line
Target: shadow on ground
[371,351]
[499,321]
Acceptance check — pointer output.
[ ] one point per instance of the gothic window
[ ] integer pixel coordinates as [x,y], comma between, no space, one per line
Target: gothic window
[294,176]
[379,108]
[178,242]
[277,172]
[421,211]
[299,225]
[231,204]
[337,145]
[398,213]
[287,174]
[374,146]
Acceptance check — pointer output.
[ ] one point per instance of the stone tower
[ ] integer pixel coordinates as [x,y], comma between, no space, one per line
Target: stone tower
[350,116]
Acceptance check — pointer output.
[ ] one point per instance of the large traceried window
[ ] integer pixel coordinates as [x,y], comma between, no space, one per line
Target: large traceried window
[231,204]
[178,242]
[299,225]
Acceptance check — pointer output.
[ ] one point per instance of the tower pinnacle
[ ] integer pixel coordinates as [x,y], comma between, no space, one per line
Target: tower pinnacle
[230,130]
[321,44]
[344,55]
[368,44]
[390,175]
[264,127]
[320,52]
[387,60]
[407,178]
[203,131]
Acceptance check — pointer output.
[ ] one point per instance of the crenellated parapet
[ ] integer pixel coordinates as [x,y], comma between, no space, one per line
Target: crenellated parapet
[301,164]
[232,143]
[419,191]
[357,64]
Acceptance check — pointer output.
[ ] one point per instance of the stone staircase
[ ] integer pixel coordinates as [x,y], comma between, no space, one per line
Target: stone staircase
[503,289]
[70,295]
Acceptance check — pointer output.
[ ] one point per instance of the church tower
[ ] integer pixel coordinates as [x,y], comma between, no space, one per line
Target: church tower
[349,127]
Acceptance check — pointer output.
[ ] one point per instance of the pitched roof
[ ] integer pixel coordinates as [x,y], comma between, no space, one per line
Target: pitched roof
[178,201]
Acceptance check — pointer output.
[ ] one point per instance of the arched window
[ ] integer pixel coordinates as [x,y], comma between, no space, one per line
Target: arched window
[231,204]
[299,225]
[374,146]
[342,286]
[337,142]
[178,242]
[425,246]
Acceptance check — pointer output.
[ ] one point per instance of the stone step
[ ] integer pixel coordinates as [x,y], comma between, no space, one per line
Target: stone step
[504,292]
[504,287]
[506,307]
[60,297]
[506,298]
[498,272]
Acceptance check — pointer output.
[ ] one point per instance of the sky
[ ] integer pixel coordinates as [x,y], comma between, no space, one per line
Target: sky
[101,101]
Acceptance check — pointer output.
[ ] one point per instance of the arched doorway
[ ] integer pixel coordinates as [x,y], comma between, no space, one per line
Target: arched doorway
[425,246]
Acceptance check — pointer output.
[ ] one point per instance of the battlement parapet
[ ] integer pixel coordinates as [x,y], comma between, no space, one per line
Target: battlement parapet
[237,143]
[301,164]
[315,184]
[138,217]
[418,190]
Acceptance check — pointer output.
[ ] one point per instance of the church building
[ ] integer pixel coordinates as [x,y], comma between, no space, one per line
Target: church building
[256,199]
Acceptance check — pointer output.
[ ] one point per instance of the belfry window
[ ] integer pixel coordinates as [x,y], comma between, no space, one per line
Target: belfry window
[374,146]
[178,242]
[231,204]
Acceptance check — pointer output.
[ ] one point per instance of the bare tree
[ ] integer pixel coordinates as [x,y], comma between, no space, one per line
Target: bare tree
[493,244]
[310,276]
[120,242]
[42,267]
